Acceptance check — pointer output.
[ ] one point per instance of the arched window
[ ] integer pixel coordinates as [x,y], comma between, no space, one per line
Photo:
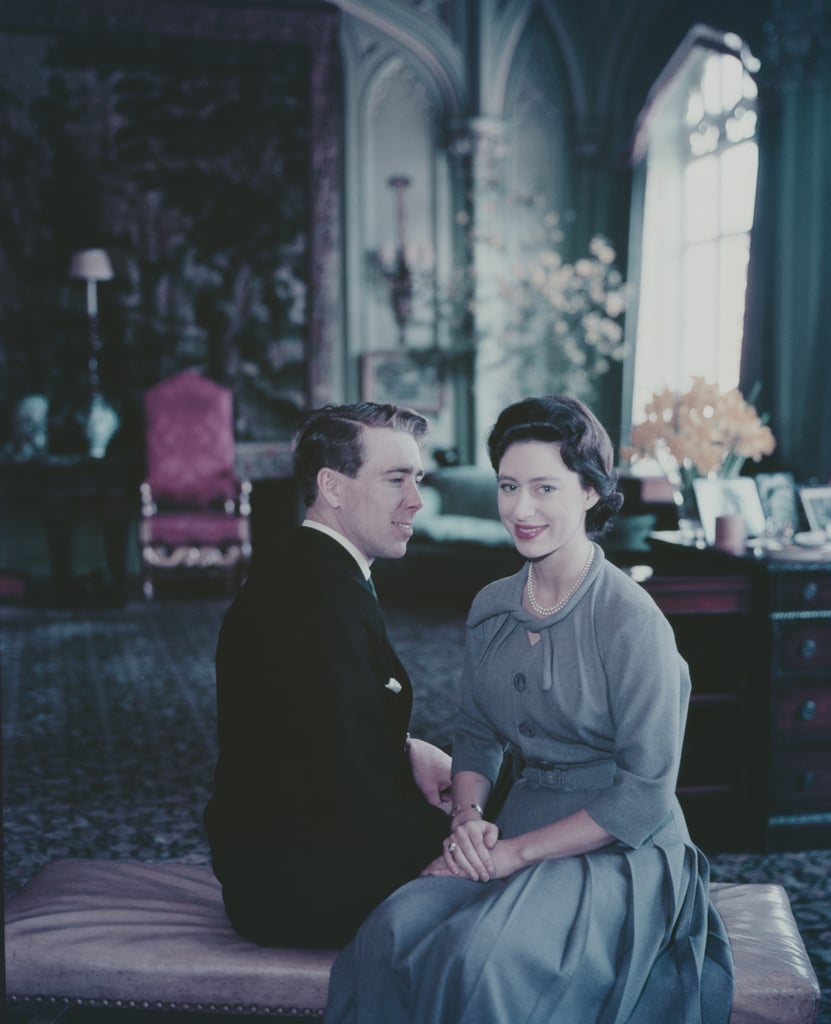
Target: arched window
[695,183]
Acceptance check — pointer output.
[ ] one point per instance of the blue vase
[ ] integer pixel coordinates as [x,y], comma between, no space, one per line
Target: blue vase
[102,423]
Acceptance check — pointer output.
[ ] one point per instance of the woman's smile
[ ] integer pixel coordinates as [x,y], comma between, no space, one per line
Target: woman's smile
[528,532]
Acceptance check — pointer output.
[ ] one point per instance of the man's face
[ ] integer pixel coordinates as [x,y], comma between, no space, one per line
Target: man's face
[377,506]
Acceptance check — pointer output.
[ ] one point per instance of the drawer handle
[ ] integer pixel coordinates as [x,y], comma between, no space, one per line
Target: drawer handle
[808,711]
[808,649]
[810,592]
[808,780]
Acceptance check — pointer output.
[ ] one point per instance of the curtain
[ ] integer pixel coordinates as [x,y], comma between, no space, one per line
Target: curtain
[787,346]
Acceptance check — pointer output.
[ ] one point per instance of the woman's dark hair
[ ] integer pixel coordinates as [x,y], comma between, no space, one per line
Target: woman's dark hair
[332,436]
[585,447]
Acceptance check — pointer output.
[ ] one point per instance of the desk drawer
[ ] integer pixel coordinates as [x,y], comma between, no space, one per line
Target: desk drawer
[802,781]
[802,644]
[803,711]
[802,591]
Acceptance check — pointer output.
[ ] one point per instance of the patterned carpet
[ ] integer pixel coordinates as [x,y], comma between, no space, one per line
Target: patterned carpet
[108,722]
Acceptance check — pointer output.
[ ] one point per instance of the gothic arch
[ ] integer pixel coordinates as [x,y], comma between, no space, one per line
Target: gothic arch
[508,38]
[429,43]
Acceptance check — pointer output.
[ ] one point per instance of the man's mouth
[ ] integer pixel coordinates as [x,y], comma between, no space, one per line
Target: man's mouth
[406,527]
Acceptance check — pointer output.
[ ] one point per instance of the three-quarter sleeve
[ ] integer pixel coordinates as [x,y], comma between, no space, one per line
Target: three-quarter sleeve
[649,688]
[476,746]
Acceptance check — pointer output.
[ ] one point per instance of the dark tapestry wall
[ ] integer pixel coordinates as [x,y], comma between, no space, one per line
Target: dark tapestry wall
[195,161]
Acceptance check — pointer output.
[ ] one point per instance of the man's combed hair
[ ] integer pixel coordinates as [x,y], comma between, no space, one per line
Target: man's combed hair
[585,447]
[332,437]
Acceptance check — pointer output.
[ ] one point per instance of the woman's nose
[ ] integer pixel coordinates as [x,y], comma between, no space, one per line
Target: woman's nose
[524,507]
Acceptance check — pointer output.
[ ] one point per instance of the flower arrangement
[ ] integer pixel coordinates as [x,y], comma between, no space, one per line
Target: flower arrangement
[558,324]
[704,430]
[570,313]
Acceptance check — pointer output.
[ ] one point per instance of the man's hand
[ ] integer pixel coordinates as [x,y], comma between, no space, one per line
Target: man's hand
[431,771]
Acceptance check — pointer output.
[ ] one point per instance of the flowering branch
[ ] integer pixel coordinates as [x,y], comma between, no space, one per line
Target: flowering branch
[561,322]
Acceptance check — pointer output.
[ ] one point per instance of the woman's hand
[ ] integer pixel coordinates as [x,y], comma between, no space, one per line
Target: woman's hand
[502,859]
[467,850]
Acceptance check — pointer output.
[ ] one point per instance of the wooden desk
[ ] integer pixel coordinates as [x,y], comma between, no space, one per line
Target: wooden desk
[64,486]
[711,615]
[756,631]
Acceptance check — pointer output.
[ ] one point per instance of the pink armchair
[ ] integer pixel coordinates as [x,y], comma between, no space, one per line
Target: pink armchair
[196,514]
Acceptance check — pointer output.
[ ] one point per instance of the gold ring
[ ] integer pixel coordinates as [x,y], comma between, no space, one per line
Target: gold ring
[451,848]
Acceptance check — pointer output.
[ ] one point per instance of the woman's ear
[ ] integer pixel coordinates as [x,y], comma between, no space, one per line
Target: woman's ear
[592,498]
[329,486]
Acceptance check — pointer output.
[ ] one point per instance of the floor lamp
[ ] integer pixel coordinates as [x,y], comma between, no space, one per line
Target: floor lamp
[92,266]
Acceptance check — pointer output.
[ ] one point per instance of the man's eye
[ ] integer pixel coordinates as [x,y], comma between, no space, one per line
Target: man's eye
[507,488]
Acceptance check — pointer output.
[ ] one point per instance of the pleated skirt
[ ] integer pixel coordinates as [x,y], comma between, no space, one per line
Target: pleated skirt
[617,936]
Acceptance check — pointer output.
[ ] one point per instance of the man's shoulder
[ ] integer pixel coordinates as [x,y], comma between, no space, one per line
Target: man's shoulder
[300,547]
[306,571]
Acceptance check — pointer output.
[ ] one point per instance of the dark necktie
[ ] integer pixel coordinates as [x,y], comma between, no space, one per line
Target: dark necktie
[371,586]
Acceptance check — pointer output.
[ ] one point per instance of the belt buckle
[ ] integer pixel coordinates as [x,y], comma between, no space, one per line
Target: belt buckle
[550,773]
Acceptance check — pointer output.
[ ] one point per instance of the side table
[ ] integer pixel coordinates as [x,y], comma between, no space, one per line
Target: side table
[65,486]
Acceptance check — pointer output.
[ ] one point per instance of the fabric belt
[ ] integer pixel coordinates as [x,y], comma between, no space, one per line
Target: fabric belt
[598,775]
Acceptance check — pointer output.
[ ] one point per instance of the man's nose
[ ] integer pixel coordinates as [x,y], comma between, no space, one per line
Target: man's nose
[413,497]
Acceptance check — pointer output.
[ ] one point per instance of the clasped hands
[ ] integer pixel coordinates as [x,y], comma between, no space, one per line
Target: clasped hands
[474,850]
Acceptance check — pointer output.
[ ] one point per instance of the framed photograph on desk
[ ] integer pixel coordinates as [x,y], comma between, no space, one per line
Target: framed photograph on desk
[720,497]
[817,504]
[777,492]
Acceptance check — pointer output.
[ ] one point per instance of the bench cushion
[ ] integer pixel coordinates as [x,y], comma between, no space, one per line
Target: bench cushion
[775,982]
[156,935]
[100,932]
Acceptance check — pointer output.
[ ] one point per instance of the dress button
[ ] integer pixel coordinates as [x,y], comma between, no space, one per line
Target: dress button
[519,681]
[527,730]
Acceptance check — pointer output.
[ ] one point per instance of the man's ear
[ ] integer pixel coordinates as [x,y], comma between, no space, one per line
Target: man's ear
[329,486]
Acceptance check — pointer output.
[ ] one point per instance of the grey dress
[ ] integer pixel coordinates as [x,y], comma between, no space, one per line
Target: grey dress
[625,934]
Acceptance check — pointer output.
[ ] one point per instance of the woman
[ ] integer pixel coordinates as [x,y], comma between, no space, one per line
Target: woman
[585,901]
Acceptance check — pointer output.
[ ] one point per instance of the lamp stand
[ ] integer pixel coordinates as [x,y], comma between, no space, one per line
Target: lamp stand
[102,421]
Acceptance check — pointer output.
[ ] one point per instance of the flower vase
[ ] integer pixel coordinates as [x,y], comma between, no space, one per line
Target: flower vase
[101,424]
[683,494]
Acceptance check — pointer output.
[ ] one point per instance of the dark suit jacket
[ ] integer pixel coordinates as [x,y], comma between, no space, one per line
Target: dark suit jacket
[314,817]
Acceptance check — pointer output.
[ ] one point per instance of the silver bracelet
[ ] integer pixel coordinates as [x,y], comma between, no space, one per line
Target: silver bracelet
[457,809]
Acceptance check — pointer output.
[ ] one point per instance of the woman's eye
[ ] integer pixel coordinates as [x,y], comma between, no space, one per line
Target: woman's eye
[547,489]
[507,488]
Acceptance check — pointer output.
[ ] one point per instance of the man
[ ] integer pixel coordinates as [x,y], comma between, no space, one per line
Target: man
[322,805]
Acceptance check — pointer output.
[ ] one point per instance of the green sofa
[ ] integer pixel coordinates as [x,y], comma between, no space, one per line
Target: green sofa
[459,544]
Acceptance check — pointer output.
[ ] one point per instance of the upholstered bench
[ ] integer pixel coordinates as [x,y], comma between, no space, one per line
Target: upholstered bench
[155,936]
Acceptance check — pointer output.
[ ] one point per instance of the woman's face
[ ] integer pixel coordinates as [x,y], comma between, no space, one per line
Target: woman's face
[542,503]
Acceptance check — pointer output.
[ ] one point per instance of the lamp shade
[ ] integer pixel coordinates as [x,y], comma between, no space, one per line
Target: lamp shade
[91,265]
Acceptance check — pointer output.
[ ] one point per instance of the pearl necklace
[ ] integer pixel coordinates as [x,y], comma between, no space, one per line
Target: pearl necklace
[545,612]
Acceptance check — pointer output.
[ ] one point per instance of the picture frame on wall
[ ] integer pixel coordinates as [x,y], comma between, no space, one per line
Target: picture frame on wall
[817,504]
[736,495]
[398,378]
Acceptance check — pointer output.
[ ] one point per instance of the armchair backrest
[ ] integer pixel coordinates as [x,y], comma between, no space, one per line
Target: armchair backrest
[189,440]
